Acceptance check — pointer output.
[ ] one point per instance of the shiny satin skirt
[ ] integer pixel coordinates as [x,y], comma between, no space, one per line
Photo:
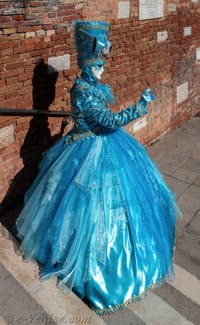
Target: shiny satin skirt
[99,217]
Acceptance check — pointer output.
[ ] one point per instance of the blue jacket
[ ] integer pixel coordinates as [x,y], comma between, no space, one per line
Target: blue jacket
[90,111]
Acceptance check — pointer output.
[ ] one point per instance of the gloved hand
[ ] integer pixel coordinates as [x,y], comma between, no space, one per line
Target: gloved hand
[147,96]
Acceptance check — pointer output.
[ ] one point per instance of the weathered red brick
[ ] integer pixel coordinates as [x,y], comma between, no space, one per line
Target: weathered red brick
[11,80]
[10,73]
[24,77]
[17,17]
[5,18]
[24,49]
[35,4]
[6,45]
[14,65]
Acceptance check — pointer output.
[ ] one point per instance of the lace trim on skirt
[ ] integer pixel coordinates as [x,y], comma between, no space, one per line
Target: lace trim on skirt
[108,311]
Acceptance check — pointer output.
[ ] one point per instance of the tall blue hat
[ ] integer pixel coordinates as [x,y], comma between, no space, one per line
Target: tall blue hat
[92,42]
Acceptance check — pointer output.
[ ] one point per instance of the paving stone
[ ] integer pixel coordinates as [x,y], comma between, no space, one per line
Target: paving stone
[180,228]
[189,202]
[2,321]
[163,145]
[192,164]
[185,175]
[125,317]
[167,167]
[16,305]
[155,311]
[61,308]
[174,152]
[185,256]
[171,161]
[174,297]
[178,187]
[10,287]
[196,182]
[193,122]
[196,154]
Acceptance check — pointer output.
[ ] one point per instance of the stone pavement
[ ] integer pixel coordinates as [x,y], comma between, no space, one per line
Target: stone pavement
[24,300]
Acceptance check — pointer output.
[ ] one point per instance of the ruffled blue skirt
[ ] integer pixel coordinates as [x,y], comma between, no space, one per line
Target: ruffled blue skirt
[100,217]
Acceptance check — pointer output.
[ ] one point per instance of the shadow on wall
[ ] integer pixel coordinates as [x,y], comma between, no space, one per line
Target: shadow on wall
[37,140]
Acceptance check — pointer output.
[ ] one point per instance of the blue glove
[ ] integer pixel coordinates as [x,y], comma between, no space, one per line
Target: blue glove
[147,96]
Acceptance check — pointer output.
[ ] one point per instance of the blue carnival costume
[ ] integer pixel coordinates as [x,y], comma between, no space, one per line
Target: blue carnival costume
[99,215]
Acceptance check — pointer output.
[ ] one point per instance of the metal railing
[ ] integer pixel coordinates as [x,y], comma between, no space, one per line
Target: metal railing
[32,112]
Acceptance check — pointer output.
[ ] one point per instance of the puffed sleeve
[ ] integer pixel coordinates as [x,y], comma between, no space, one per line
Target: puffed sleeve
[96,111]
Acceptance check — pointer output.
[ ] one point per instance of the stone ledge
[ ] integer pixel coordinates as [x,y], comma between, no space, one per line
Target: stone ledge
[56,304]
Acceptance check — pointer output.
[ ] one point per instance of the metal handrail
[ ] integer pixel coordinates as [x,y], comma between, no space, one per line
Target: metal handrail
[32,112]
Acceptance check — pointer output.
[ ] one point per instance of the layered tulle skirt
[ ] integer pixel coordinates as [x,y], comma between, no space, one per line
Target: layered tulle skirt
[100,217]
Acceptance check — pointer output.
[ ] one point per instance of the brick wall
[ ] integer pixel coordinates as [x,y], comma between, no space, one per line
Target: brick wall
[38,66]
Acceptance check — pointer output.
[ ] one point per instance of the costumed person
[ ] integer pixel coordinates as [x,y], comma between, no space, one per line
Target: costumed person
[99,215]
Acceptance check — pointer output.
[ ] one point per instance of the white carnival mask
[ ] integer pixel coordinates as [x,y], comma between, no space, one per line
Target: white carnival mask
[98,71]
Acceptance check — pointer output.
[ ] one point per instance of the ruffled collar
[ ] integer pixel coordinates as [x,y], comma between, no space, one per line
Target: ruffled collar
[105,90]
[88,76]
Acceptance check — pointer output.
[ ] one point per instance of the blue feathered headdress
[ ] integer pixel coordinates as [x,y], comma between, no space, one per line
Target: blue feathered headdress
[91,38]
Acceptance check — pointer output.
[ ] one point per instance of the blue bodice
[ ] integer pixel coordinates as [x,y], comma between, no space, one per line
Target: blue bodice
[90,102]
